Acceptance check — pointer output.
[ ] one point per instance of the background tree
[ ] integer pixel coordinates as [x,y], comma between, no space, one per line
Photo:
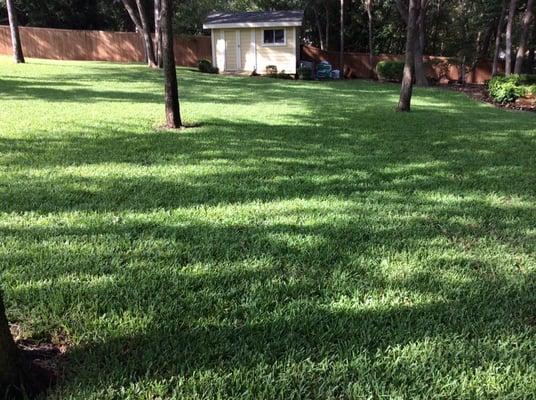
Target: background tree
[14,28]
[318,26]
[420,69]
[509,29]
[146,32]
[418,50]
[173,114]
[326,15]
[158,32]
[341,45]
[406,90]
[458,29]
[138,16]
[368,7]
[528,18]
[498,36]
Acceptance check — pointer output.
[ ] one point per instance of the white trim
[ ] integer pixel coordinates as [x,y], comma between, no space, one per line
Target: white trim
[213,43]
[252,25]
[238,51]
[275,44]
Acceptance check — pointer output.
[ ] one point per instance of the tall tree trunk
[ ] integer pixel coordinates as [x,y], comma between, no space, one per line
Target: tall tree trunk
[527,21]
[498,35]
[406,89]
[532,52]
[341,50]
[327,25]
[319,28]
[173,114]
[509,29]
[403,10]
[368,6]
[419,69]
[18,56]
[146,31]
[12,376]
[158,33]
[134,13]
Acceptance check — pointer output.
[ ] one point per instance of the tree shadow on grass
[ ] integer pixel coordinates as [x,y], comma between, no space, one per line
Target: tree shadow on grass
[301,306]
[239,162]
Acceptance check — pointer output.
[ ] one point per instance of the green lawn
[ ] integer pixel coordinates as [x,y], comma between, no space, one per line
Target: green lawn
[304,241]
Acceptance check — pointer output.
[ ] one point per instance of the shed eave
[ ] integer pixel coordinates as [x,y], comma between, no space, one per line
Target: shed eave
[274,24]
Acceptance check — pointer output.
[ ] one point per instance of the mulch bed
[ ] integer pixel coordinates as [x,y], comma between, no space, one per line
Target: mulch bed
[480,93]
[44,359]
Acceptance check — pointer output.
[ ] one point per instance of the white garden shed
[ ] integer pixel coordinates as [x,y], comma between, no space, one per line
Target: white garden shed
[251,41]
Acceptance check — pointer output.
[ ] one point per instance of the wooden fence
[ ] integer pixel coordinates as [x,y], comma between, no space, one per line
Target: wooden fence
[357,65]
[64,44]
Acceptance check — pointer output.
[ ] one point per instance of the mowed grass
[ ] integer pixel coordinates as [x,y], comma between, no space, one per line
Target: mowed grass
[305,241]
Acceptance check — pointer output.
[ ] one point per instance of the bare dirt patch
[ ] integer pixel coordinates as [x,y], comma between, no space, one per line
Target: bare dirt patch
[44,359]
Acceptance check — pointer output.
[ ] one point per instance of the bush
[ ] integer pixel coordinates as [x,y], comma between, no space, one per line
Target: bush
[390,71]
[527,79]
[206,67]
[506,89]
[532,90]
[305,73]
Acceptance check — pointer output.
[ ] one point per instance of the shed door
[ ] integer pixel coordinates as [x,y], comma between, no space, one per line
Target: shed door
[230,50]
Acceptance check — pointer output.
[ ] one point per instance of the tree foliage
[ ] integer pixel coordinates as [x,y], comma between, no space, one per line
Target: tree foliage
[465,29]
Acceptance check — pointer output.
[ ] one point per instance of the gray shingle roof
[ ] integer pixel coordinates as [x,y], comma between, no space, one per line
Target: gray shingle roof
[291,16]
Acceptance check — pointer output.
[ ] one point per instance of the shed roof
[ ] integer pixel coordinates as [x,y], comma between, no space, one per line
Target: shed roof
[254,19]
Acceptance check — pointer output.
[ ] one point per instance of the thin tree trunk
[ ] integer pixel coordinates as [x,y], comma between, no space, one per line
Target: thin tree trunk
[509,29]
[406,89]
[532,52]
[18,56]
[403,10]
[173,114]
[341,50]
[500,28]
[146,34]
[158,33]
[482,48]
[12,375]
[319,28]
[368,6]
[327,26]
[133,12]
[527,21]
[136,21]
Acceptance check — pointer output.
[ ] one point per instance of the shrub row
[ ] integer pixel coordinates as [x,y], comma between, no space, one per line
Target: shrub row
[507,89]
[391,71]
[207,67]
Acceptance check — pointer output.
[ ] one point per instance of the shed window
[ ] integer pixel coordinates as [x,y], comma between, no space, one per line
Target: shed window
[274,36]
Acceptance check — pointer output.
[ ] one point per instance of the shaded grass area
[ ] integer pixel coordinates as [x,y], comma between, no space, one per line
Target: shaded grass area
[306,241]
